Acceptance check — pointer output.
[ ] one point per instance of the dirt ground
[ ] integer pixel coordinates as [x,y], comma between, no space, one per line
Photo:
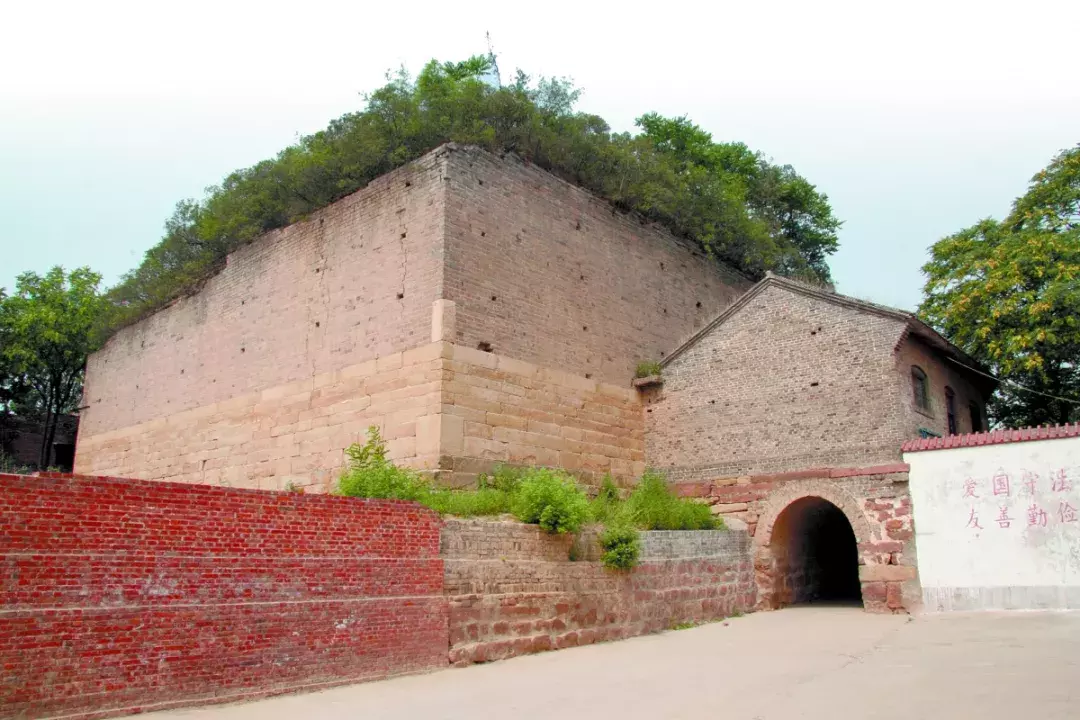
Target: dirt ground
[807,662]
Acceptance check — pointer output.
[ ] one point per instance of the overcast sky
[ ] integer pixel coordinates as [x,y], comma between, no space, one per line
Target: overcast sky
[916,118]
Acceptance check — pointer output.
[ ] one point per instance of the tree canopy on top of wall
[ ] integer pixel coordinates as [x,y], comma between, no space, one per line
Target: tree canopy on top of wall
[743,209]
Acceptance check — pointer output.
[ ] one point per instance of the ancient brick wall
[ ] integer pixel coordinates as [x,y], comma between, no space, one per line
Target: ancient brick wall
[876,503]
[545,272]
[788,382]
[940,374]
[354,282]
[283,359]
[509,411]
[513,590]
[293,433]
[121,596]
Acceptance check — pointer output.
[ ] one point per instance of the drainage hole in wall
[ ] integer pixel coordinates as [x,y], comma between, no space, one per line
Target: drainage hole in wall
[813,384]
[699,304]
[494,298]
[400,296]
[484,346]
[316,323]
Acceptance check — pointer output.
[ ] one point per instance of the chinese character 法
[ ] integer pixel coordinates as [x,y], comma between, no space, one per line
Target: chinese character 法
[1060,481]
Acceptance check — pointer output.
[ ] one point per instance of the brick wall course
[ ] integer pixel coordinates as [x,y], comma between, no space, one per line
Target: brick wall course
[119,596]
[293,433]
[791,382]
[513,590]
[548,273]
[518,413]
[310,298]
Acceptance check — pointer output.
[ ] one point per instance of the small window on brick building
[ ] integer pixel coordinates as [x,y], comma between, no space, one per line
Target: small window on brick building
[950,409]
[976,417]
[920,388]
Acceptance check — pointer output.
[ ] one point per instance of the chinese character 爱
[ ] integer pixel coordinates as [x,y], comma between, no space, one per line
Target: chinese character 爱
[969,489]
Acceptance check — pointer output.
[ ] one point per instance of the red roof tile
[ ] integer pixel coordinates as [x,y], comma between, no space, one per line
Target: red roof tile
[994,437]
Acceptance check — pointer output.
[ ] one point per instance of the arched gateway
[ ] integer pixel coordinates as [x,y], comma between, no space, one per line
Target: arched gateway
[808,548]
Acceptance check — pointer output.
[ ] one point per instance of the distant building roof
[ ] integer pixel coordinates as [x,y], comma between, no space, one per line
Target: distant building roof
[994,437]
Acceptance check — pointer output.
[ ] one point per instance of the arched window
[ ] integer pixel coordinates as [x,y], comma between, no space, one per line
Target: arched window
[920,388]
[950,409]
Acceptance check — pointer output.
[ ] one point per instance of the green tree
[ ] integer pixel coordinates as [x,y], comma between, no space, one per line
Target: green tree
[742,209]
[1009,293]
[48,326]
[790,226]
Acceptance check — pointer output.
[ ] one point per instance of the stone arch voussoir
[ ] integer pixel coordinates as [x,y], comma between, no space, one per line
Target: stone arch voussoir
[782,497]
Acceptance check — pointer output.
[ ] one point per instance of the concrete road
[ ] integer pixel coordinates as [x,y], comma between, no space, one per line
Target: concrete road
[808,663]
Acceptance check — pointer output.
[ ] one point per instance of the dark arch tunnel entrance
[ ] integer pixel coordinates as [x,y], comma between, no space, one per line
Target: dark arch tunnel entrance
[816,555]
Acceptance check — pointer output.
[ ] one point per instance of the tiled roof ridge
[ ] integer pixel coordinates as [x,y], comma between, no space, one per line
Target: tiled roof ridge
[993,437]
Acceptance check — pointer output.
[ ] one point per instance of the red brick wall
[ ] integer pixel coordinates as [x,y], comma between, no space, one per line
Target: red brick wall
[513,589]
[121,595]
[548,273]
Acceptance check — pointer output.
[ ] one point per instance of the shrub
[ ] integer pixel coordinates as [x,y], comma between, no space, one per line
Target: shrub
[371,475]
[621,547]
[647,368]
[551,499]
[652,506]
[468,503]
[605,507]
[502,477]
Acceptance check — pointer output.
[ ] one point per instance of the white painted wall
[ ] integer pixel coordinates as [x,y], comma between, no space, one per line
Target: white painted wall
[970,556]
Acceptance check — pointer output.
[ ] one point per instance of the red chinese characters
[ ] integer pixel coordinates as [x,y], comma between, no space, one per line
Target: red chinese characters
[969,489]
[1001,483]
[1036,516]
[973,521]
[1030,481]
[1059,481]
[1067,512]
[1003,519]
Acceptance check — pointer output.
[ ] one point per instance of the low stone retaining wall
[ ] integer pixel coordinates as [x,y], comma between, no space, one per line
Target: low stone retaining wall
[513,589]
